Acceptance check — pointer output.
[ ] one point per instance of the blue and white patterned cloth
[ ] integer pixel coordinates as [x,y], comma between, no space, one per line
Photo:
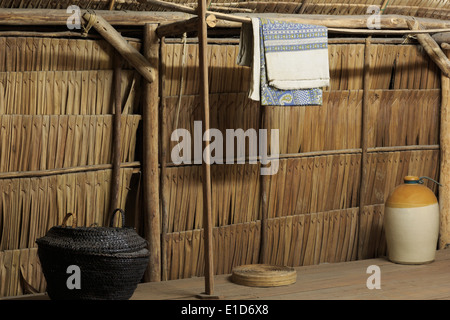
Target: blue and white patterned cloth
[293,64]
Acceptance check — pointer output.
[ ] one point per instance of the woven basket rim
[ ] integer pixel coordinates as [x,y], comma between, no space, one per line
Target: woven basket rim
[144,252]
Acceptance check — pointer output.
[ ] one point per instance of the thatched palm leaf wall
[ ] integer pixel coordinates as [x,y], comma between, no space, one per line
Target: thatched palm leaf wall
[56,116]
[314,197]
[56,103]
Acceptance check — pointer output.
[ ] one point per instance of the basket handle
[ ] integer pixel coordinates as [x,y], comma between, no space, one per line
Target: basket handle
[74,220]
[111,223]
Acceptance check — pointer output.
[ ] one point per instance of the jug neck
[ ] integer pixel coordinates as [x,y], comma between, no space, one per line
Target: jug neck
[411,180]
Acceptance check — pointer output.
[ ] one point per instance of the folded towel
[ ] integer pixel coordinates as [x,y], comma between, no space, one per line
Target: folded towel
[296,55]
[278,76]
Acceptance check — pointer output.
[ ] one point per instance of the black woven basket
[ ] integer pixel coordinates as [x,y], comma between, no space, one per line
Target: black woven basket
[111,260]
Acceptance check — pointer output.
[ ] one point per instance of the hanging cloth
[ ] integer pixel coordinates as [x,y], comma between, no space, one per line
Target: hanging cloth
[289,61]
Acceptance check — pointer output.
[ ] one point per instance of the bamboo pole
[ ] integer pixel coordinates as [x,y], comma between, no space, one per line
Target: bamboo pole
[329,153]
[330,41]
[117,141]
[364,136]
[444,189]
[204,97]
[264,200]
[163,162]
[150,156]
[128,52]
[61,171]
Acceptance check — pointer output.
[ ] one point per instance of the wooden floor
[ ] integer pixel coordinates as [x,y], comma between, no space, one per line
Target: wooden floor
[335,281]
[347,280]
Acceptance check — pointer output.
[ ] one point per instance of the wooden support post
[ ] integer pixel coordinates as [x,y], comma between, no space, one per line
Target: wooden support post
[206,169]
[364,134]
[127,51]
[163,161]
[264,122]
[444,189]
[432,48]
[117,141]
[150,156]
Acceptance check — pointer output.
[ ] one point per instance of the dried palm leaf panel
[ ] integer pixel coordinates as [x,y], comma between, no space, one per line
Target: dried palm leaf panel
[20,272]
[44,142]
[402,67]
[306,184]
[234,245]
[335,125]
[302,185]
[386,170]
[29,207]
[235,195]
[403,117]
[227,111]
[293,241]
[372,242]
[313,238]
[56,54]
[65,92]
[180,67]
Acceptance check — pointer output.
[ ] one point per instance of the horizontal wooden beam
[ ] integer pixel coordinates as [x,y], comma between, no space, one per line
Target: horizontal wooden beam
[59,17]
[330,21]
[180,27]
[394,22]
[54,17]
[384,31]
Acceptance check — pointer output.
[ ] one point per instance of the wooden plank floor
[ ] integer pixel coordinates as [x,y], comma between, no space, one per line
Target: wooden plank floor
[334,281]
[346,280]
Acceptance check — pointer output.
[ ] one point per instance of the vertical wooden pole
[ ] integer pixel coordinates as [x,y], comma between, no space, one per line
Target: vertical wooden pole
[364,133]
[164,147]
[117,141]
[264,122]
[150,156]
[204,97]
[444,189]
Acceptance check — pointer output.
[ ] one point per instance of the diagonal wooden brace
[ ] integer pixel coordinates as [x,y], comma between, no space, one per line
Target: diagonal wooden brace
[431,47]
[128,52]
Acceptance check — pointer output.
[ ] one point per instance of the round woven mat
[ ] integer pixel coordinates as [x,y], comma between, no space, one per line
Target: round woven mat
[263,275]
